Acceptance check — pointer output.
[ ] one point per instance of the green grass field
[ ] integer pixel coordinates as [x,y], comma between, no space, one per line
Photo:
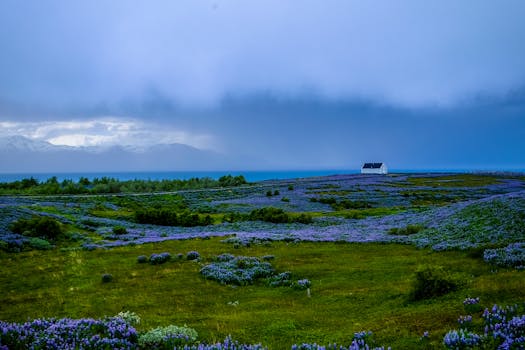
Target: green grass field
[354,287]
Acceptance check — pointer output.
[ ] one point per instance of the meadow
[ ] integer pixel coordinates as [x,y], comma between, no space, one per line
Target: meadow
[399,255]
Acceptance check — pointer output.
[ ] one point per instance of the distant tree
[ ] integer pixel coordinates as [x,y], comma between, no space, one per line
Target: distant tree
[84,181]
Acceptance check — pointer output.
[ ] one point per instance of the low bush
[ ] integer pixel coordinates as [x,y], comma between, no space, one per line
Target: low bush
[129,317]
[192,255]
[472,305]
[284,279]
[164,338]
[38,226]
[269,214]
[157,259]
[120,230]
[432,281]
[141,259]
[169,217]
[241,270]
[302,284]
[407,230]
[342,204]
[40,244]
[106,278]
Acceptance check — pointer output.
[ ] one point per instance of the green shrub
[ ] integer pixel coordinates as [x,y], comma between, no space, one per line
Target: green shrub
[120,230]
[130,317]
[106,278]
[4,245]
[432,281]
[408,230]
[285,199]
[167,337]
[38,226]
[40,244]
[168,217]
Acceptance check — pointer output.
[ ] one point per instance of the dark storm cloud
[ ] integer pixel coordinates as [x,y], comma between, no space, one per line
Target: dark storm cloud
[62,53]
[295,84]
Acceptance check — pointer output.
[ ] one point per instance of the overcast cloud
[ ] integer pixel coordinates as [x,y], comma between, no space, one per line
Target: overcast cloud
[298,83]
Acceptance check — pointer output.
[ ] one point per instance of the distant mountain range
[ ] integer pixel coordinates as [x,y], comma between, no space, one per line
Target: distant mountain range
[19,154]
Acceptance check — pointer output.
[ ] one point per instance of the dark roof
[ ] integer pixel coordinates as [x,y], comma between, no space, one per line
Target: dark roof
[372,165]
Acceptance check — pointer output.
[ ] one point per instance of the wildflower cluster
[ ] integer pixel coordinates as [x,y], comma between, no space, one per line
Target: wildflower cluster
[109,333]
[512,255]
[239,270]
[461,339]
[361,341]
[281,279]
[227,344]
[193,255]
[157,259]
[471,305]
[465,322]
[303,284]
[503,328]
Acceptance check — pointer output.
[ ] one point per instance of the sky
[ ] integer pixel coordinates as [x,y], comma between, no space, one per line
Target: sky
[273,84]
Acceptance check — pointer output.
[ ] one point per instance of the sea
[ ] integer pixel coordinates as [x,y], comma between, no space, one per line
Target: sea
[250,175]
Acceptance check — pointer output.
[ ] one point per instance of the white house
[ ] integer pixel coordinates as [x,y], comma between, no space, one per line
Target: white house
[374,168]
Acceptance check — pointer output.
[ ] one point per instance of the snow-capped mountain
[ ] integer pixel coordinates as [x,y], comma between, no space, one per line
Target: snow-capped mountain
[21,154]
[24,144]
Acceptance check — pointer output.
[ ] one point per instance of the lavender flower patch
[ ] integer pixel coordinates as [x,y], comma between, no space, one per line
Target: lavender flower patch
[492,220]
[157,259]
[109,333]
[461,339]
[502,328]
[512,255]
[227,344]
[238,270]
[361,341]
[8,240]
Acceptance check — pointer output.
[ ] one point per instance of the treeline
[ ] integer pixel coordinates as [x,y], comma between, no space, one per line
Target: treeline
[107,185]
[169,217]
[342,204]
[269,214]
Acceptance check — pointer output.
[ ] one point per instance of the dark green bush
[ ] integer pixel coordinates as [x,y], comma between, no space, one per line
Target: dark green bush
[38,226]
[106,278]
[432,281]
[269,214]
[408,230]
[119,230]
[168,217]
[40,244]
